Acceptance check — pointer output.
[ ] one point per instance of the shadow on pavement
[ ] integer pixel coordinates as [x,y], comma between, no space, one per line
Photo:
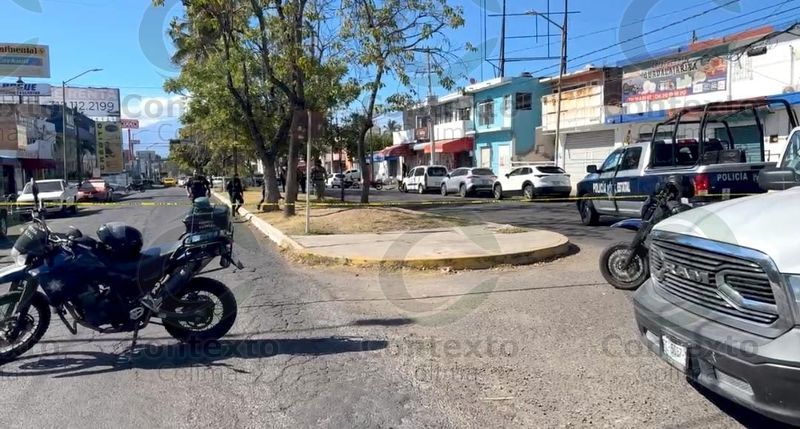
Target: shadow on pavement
[169,356]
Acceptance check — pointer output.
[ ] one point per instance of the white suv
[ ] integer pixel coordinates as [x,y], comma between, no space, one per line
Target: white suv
[533,180]
[424,178]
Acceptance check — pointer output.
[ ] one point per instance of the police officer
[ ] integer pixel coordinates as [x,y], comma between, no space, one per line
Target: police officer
[318,175]
[236,193]
[198,187]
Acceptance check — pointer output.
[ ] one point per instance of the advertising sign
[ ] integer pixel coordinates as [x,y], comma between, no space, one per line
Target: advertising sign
[20,60]
[131,124]
[27,90]
[674,78]
[109,147]
[92,102]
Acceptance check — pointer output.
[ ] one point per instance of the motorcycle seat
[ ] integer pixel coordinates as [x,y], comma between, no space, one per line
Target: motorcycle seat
[149,266]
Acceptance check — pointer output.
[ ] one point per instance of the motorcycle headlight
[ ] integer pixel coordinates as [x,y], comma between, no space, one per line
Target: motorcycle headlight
[18,258]
[794,295]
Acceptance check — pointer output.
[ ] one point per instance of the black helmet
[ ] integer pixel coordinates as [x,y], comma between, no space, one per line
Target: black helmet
[122,240]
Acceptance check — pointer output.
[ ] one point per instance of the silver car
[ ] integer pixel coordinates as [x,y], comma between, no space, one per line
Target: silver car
[469,181]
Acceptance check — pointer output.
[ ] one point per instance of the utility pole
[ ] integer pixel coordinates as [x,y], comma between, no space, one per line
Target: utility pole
[503,41]
[431,131]
[308,174]
[561,72]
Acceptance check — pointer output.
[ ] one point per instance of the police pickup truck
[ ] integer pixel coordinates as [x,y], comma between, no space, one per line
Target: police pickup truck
[710,168]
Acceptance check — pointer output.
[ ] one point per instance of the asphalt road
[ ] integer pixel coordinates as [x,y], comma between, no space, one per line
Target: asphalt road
[542,346]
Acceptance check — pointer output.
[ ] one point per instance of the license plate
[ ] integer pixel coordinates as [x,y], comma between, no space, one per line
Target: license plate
[674,353]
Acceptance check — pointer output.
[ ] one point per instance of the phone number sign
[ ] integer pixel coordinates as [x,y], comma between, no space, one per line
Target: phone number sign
[92,102]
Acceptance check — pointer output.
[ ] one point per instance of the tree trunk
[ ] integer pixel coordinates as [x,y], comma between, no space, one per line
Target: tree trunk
[270,183]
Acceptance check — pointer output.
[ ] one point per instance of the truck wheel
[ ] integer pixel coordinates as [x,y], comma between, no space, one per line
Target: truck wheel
[589,216]
[420,189]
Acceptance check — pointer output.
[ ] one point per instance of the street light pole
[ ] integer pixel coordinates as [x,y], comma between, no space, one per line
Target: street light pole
[64,118]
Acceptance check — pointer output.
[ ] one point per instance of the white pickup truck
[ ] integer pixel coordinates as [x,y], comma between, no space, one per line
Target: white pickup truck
[723,300]
[54,193]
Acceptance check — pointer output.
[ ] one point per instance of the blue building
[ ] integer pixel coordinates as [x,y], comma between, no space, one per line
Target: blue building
[507,112]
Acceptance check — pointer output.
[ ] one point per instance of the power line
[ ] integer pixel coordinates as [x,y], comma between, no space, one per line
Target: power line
[677,36]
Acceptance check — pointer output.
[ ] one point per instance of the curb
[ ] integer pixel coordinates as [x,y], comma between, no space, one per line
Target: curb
[463,263]
[562,249]
[274,234]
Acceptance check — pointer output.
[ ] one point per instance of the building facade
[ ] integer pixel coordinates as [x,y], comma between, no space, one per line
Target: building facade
[757,63]
[506,113]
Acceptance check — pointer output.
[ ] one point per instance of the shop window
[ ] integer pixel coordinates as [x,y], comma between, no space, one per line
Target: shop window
[523,101]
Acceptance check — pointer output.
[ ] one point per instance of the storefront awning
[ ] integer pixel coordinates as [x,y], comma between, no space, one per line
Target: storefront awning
[397,150]
[37,163]
[464,144]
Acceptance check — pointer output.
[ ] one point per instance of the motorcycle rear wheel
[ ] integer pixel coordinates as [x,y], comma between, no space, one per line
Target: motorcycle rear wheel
[216,325]
[611,266]
[33,331]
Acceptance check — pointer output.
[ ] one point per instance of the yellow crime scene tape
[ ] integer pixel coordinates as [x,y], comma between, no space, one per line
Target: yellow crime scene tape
[334,204]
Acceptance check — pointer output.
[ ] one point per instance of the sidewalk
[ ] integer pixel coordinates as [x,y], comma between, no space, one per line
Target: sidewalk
[466,247]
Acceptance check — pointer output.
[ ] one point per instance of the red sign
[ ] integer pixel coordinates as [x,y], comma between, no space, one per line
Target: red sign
[131,124]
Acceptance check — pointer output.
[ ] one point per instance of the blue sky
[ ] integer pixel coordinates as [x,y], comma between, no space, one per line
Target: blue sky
[126,38]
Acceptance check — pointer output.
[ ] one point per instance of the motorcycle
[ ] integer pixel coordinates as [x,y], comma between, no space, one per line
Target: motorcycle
[138,187]
[109,285]
[626,265]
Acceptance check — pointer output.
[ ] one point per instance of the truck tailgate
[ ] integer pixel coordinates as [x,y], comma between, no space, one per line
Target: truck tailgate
[731,180]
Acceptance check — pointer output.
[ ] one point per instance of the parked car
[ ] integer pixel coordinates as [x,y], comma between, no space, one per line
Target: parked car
[533,180]
[424,178]
[722,304]
[216,181]
[54,192]
[169,182]
[352,175]
[182,181]
[717,169]
[468,181]
[95,190]
[335,180]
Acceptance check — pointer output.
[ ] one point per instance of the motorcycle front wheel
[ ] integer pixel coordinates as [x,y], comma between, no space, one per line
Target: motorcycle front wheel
[612,266]
[210,324]
[19,333]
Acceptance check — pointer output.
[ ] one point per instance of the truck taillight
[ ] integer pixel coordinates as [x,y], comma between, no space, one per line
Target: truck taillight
[701,185]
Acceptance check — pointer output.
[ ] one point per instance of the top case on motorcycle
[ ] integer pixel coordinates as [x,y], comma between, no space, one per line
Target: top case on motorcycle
[149,266]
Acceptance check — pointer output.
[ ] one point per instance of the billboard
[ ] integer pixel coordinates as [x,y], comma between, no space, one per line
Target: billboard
[27,89]
[674,78]
[23,60]
[109,147]
[92,102]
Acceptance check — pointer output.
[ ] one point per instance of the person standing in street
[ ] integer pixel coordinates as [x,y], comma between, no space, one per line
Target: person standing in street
[301,179]
[235,193]
[198,187]
[318,175]
[282,178]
